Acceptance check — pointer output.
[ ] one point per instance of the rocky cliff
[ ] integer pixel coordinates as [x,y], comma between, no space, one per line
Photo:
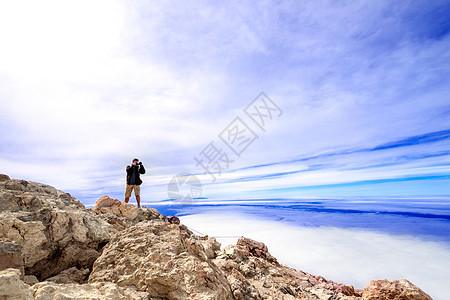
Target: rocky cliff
[52,247]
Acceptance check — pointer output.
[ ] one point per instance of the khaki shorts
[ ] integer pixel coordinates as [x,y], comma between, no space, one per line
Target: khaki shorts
[137,190]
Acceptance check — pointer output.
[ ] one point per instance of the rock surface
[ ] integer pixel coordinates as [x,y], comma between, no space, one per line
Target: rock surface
[49,290]
[122,215]
[53,230]
[11,287]
[395,289]
[128,253]
[162,259]
[11,256]
[71,275]
[255,274]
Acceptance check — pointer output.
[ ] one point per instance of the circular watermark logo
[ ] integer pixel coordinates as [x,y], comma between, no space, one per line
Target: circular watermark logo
[184,188]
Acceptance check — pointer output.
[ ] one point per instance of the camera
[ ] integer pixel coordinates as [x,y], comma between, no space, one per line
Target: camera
[139,163]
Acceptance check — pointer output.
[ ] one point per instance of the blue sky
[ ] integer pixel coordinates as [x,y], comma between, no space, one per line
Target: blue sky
[364,89]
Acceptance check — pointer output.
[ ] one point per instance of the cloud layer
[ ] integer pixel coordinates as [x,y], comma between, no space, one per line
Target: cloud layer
[351,256]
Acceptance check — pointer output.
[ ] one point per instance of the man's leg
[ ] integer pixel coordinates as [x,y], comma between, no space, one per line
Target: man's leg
[128,193]
[137,193]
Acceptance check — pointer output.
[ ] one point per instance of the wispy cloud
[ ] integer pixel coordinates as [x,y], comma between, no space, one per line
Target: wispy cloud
[363,87]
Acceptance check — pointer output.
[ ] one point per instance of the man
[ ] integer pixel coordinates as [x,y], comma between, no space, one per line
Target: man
[134,181]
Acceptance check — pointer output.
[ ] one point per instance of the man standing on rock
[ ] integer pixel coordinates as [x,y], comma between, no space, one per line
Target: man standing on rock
[134,181]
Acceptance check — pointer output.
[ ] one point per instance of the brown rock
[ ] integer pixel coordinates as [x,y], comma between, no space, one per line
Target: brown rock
[395,289]
[105,205]
[254,248]
[163,260]
[4,177]
[53,230]
[11,287]
[173,220]
[11,256]
[122,215]
[106,290]
[30,279]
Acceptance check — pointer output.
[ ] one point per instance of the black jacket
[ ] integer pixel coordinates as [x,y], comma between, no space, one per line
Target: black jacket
[137,171]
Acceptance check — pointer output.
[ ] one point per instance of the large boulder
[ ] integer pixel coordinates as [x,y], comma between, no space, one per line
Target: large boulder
[122,215]
[394,289]
[53,230]
[166,260]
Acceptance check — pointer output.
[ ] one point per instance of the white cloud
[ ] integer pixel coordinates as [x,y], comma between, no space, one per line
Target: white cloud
[106,81]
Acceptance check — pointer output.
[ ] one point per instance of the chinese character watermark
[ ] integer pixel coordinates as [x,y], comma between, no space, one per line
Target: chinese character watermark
[213,159]
[262,109]
[238,136]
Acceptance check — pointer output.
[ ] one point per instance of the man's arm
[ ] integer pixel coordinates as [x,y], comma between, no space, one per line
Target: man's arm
[129,170]
[141,169]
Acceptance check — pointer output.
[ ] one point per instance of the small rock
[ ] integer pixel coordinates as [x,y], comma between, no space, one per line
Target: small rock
[11,256]
[11,287]
[30,279]
[173,220]
[71,275]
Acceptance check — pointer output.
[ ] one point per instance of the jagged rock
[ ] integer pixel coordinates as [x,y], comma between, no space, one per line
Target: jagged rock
[395,289]
[162,259]
[250,247]
[54,230]
[105,205]
[4,177]
[122,215]
[255,274]
[173,220]
[11,256]
[11,287]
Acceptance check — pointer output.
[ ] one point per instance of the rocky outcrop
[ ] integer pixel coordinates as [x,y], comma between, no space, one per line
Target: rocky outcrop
[255,274]
[164,260]
[117,251]
[122,215]
[53,230]
[394,289]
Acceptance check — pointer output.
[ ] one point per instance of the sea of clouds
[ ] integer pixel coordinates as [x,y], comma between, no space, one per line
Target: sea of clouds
[351,256]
